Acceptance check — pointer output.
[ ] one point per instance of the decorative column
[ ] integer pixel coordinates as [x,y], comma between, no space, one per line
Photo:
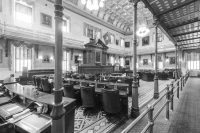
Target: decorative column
[156,91]
[58,111]
[176,62]
[135,105]
[180,60]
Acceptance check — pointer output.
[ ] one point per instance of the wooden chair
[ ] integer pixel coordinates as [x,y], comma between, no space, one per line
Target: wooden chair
[70,92]
[111,101]
[38,82]
[34,80]
[7,128]
[46,86]
[88,96]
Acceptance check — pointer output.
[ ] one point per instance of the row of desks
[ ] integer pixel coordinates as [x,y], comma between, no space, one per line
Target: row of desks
[29,93]
[123,92]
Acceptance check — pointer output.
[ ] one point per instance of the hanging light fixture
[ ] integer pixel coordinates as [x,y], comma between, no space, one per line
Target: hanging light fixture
[143,29]
[93,4]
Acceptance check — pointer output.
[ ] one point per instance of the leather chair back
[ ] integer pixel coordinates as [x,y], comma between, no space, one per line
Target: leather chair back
[129,81]
[7,128]
[68,75]
[114,80]
[111,101]
[68,90]
[38,82]
[46,86]
[34,80]
[88,96]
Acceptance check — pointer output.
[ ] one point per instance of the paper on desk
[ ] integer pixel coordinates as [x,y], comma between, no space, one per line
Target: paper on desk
[22,113]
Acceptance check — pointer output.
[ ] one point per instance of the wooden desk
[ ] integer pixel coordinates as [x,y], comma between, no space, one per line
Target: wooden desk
[9,80]
[122,93]
[29,93]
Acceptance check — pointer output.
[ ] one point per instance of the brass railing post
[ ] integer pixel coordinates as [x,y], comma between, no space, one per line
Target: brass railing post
[150,117]
[172,96]
[168,100]
[180,83]
[177,94]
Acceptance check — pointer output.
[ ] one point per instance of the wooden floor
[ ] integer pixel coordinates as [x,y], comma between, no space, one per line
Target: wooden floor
[184,119]
[187,115]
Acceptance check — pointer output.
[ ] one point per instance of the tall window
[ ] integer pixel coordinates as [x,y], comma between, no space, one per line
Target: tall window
[65,61]
[112,39]
[22,58]
[23,12]
[193,61]
[121,42]
[160,36]
[66,24]
[90,33]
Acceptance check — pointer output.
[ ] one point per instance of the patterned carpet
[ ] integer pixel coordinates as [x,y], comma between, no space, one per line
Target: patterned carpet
[97,121]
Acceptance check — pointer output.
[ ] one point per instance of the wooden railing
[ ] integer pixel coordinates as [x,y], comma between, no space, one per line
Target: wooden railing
[169,94]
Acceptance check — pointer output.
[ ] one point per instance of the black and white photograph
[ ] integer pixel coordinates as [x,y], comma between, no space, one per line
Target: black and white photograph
[46,59]
[46,20]
[99,66]
[145,41]
[171,60]
[145,61]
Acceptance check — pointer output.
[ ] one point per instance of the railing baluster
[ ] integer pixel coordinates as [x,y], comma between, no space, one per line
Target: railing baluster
[150,116]
[181,84]
[168,100]
[177,94]
[172,96]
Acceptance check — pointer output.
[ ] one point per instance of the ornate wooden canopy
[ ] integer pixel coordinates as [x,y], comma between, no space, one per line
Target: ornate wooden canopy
[180,19]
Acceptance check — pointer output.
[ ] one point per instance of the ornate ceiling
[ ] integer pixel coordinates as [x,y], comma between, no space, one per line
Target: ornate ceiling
[117,13]
[180,19]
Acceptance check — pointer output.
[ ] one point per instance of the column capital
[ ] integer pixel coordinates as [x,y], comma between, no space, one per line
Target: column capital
[134,2]
[156,22]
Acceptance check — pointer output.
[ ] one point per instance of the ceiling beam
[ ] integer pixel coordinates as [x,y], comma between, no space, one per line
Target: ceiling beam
[188,39]
[98,13]
[184,24]
[161,25]
[186,33]
[177,7]
[181,17]
[188,44]
[195,47]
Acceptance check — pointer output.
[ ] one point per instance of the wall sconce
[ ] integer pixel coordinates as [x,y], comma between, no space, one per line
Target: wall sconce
[51,58]
[40,57]
[167,60]
[80,58]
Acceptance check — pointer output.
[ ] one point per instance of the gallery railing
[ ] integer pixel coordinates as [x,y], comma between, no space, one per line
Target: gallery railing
[169,94]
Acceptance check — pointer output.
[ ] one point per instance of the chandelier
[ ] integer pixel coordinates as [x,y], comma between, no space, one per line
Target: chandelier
[93,4]
[142,30]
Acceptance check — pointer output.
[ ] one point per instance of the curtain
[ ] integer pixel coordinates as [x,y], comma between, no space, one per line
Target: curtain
[20,43]
[3,42]
[28,2]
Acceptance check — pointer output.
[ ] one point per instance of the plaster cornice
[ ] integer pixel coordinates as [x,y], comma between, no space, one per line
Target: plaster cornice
[84,14]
